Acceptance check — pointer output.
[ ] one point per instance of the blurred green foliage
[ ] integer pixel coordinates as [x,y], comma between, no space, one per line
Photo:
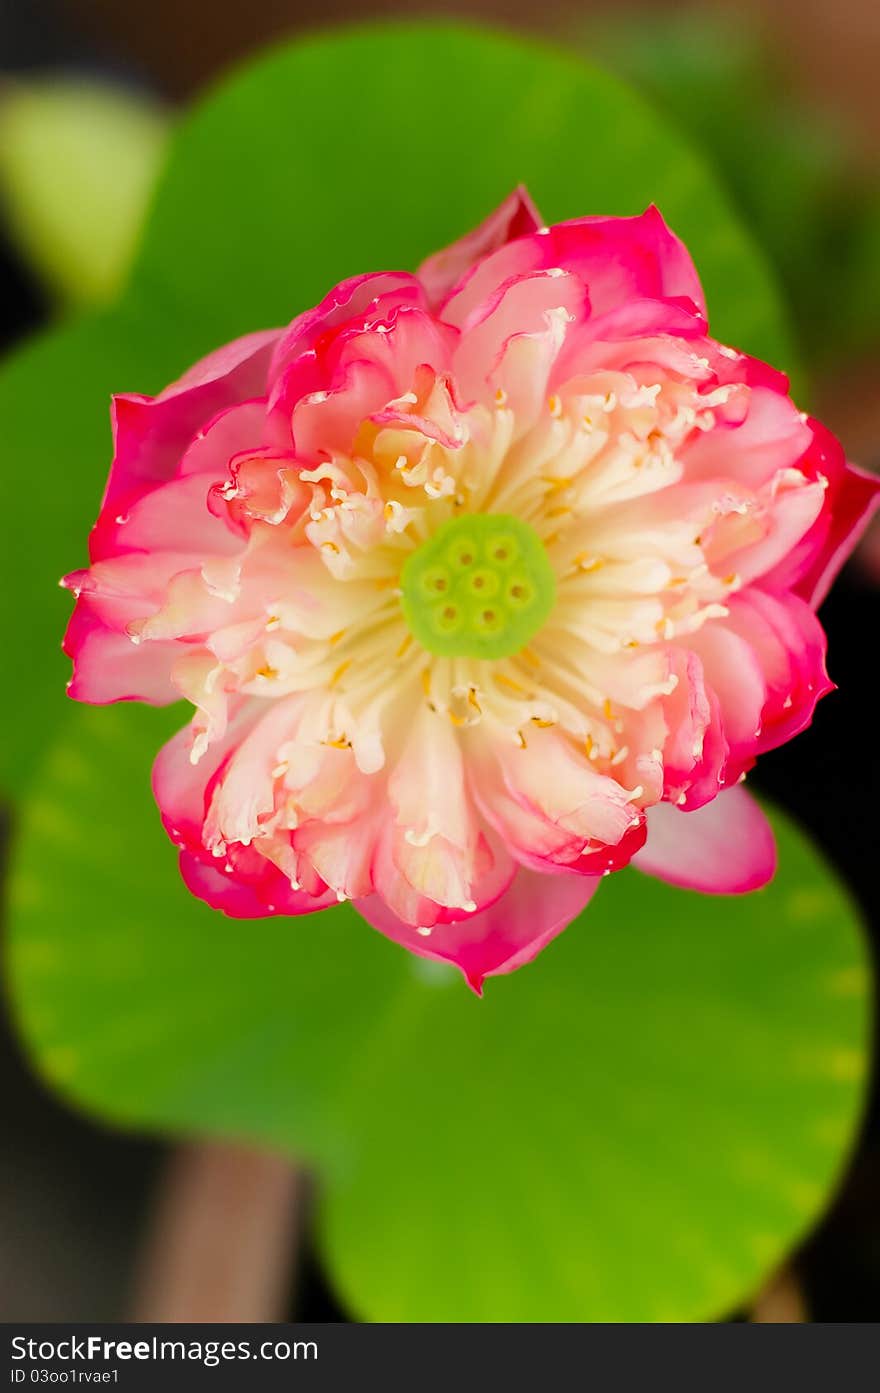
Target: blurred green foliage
[78,160]
[639,1124]
[789,165]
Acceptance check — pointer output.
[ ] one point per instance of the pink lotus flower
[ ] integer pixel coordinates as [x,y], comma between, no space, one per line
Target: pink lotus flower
[476,578]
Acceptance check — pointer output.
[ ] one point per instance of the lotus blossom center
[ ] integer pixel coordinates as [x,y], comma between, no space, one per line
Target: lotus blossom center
[481,587]
[473,578]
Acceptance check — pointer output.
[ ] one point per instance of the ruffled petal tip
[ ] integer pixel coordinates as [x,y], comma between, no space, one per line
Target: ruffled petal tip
[725,847]
[500,938]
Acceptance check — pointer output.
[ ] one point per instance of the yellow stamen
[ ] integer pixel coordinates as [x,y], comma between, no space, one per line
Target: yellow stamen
[503,680]
[586,563]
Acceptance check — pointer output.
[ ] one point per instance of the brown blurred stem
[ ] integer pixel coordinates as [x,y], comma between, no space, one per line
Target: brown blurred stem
[781,1302]
[222,1238]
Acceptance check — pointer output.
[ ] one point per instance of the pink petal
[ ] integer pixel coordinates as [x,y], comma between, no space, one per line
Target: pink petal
[109,667]
[171,517]
[789,642]
[221,437]
[341,853]
[618,259]
[241,899]
[509,933]
[180,787]
[516,217]
[525,305]
[151,433]
[733,673]
[240,365]
[492,869]
[724,848]
[772,436]
[628,258]
[853,498]
[352,374]
[357,302]
[632,335]
[696,751]
[242,883]
[551,783]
